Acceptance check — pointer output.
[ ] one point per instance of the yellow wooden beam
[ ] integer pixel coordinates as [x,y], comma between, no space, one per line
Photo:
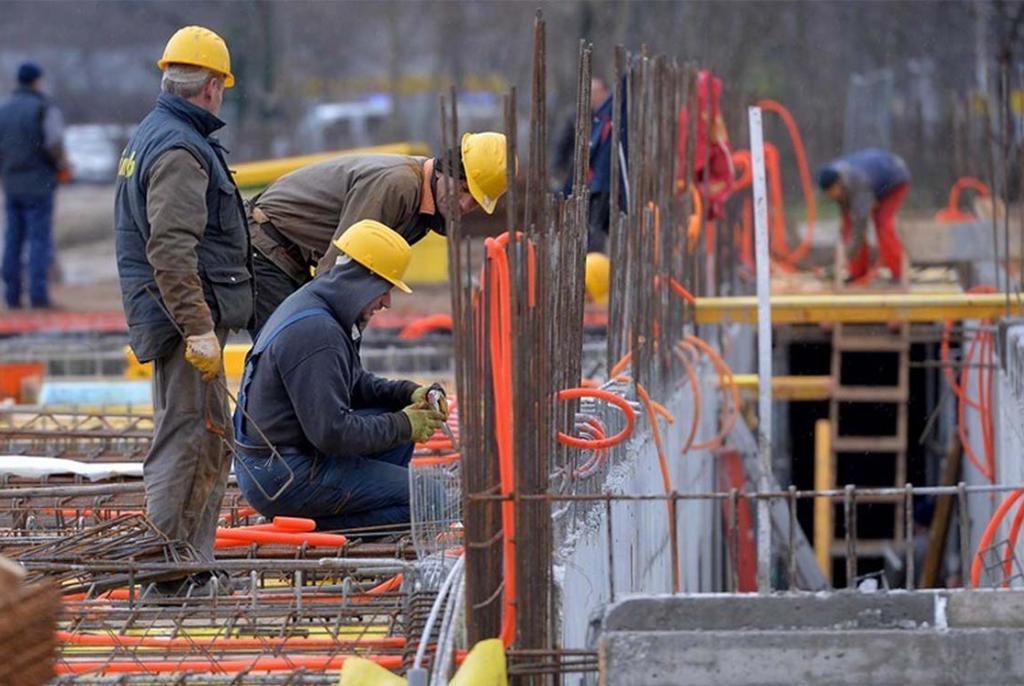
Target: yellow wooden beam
[861,308]
[824,480]
[234,362]
[788,387]
[265,172]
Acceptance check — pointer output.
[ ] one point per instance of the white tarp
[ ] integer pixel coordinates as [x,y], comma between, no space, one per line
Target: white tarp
[28,467]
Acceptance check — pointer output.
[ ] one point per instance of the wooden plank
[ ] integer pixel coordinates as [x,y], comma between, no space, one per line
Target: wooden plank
[868,444]
[871,394]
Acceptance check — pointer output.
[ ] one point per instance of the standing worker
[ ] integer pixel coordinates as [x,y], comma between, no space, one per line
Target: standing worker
[295,220]
[869,183]
[183,260]
[31,160]
[599,175]
[344,436]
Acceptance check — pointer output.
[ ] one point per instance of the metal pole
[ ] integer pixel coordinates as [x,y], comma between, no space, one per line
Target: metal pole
[764,351]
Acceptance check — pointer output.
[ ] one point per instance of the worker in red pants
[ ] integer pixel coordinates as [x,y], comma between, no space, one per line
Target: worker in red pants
[867,184]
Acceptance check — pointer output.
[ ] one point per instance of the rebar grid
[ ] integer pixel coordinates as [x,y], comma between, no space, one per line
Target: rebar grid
[89,436]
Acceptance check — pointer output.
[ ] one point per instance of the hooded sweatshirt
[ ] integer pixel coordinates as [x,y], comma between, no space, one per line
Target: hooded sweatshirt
[867,176]
[308,382]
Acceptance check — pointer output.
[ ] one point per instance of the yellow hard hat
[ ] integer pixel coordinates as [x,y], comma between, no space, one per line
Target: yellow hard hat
[484,159]
[199,47]
[597,276]
[381,250]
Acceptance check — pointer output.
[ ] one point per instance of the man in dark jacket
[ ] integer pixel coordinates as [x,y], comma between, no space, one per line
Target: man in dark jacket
[344,437]
[183,261]
[868,184]
[31,155]
[294,221]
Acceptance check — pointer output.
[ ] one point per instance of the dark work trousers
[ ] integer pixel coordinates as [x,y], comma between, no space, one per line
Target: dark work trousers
[29,223]
[338,492]
[272,287]
[597,234]
[186,470]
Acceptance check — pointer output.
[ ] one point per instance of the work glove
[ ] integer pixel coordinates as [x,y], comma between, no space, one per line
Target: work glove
[432,396]
[203,352]
[423,422]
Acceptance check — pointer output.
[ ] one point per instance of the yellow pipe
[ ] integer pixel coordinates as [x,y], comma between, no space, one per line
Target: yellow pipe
[265,172]
[788,387]
[824,480]
[862,308]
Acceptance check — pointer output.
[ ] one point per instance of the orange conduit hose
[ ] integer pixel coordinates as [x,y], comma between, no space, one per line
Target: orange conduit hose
[792,257]
[666,476]
[1011,544]
[223,643]
[258,664]
[989,534]
[608,397]
[682,347]
[984,343]
[500,344]
[952,212]
[421,327]
[228,538]
[728,384]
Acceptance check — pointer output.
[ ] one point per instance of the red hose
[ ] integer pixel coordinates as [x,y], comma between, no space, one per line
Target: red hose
[989,534]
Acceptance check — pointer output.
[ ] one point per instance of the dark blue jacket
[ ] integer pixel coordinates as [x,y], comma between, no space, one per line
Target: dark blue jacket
[304,381]
[879,170]
[600,179]
[223,252]
[26,166]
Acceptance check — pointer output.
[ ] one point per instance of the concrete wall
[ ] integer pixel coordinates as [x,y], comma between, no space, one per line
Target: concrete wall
[638,558]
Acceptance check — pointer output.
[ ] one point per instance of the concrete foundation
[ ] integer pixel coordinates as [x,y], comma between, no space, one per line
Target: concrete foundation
[841,639]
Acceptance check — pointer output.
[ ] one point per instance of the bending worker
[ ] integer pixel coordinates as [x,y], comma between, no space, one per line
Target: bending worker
[295,220]
[344,436]
[183,261]
[867,184]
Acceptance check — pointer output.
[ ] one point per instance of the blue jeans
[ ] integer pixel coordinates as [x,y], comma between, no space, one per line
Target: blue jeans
[337,492]
[29,220]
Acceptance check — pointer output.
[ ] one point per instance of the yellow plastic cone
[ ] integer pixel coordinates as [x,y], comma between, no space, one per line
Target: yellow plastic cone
[361,672]
[484,666]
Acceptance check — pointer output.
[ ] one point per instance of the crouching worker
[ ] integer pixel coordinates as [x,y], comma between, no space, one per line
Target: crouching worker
[345,436]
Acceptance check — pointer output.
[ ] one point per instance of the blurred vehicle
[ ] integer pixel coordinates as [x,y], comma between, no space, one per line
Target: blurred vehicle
[94,149]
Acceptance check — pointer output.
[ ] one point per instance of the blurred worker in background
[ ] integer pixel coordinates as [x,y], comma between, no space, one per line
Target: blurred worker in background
[713,170]
[868,184]
[31,162]
[295,220]
[599,176]
[183,259]
[345,436]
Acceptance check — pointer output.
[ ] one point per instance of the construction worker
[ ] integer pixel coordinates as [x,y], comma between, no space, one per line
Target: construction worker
[869,183]
[295,220]
[183,260]
[31,162]
[599,175]
[344,435]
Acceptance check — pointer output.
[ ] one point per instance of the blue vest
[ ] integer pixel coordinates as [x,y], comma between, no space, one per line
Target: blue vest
[223,251]
[25,165]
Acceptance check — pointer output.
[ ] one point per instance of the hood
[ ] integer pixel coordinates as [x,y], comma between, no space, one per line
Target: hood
[205,122]
[346,289]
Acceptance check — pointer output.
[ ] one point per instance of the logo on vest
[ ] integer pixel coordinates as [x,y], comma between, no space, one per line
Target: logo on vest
[126,167]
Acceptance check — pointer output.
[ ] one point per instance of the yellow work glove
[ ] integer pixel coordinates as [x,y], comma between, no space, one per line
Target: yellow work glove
[423,422]
[203,352]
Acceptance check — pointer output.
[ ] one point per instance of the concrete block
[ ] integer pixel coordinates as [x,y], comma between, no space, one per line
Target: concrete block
[1002,608]
[841,610]
[980,657]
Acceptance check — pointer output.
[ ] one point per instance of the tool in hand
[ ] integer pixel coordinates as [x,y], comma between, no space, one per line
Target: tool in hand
[438,401]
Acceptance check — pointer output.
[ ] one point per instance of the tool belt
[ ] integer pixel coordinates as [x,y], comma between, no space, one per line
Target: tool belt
[284,254]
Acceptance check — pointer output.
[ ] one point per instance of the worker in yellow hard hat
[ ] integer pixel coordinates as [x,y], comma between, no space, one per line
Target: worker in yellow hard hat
[345,436]
[597,276]
[294,222]
[183,261]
